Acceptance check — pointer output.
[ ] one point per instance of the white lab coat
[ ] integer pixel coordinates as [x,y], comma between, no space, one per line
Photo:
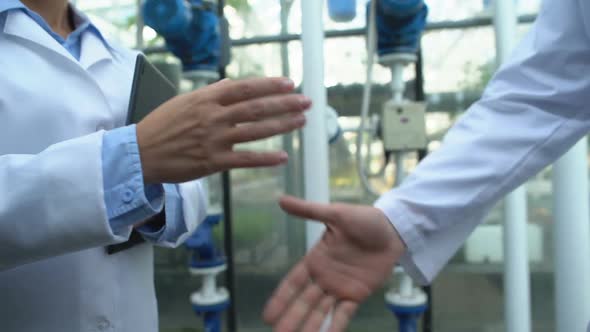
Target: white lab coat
[533,111]
[54,273]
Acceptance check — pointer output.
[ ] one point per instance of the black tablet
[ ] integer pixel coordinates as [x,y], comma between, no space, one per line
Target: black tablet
[150,89]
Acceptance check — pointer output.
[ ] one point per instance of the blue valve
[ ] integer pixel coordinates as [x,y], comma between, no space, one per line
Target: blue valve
[408,316]
[201,243]
[400,24]
[211,315]
[190,28]
[207,261]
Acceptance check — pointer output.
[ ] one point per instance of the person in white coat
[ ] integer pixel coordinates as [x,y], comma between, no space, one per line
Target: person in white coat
[75,179]
[534,109]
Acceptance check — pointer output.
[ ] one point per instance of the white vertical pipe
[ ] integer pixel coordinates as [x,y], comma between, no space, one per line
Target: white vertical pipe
[315,138]
[140,25]
[397,81]
[572,240]
[406,286]
[209,287]
[517,298]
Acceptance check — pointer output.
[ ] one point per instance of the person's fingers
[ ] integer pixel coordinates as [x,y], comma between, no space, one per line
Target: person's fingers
[231,92]
[264,129]
[263,108]
[282,297]
[342,315]
[248,159]
[308,210]
[318,315]
[300,308]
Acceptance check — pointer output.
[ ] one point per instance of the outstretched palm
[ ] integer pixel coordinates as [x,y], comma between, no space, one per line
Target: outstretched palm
[352,260]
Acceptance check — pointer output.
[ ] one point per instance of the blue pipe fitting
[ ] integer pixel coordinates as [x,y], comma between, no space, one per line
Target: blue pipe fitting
[211,315]
[201,243]
[191,30]
[342,10]
[400,24]
[407,316]
[206,255]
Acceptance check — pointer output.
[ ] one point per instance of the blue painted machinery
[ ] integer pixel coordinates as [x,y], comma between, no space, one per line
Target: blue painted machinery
[191,30]
[207,261]
[193,33]
[399,25]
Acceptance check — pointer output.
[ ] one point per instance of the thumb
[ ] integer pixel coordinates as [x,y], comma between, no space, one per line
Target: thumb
[325,213]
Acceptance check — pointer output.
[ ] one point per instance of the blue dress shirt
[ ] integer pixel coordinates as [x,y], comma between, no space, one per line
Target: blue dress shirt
[127,199]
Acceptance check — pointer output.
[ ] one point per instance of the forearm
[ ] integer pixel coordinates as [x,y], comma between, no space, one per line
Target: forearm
[533,111]
[52,205]
[157,211]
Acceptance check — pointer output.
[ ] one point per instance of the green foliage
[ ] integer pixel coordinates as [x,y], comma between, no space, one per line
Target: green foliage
[242,6]
[250,226]
[478,76]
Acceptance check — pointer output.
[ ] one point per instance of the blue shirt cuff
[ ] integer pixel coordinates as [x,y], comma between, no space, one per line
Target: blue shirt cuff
[175,224]
[127,199]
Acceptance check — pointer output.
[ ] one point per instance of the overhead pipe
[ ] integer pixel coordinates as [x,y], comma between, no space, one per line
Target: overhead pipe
[359,32]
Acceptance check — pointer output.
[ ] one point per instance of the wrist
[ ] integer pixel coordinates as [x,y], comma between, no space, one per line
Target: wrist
[398,245]
[146,160]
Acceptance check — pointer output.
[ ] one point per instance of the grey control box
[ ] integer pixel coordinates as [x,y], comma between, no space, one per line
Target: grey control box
[404,126]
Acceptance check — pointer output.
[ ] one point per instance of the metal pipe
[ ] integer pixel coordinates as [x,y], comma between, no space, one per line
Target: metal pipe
[399,168]
[209,287]
[406,287]
[420,95]
[139,44]
[315,143]
[366,102]
[291,180]
[517,297]
[397,82]
[445,25]
[571,232]
[434,26]
[232,325]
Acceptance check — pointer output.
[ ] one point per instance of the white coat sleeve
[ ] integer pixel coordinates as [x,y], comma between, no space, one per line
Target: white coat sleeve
[194,207]
[533,111]
[185,209]
[52,203]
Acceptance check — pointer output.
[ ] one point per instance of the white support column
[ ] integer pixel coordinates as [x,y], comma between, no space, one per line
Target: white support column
[315,139]
[517,298]
[139,26]
[572,240]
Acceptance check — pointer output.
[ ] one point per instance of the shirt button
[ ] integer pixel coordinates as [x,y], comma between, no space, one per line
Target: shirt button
[128,196]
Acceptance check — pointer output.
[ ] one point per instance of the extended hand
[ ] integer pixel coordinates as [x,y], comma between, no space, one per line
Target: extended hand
[193,135]
[353,258]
